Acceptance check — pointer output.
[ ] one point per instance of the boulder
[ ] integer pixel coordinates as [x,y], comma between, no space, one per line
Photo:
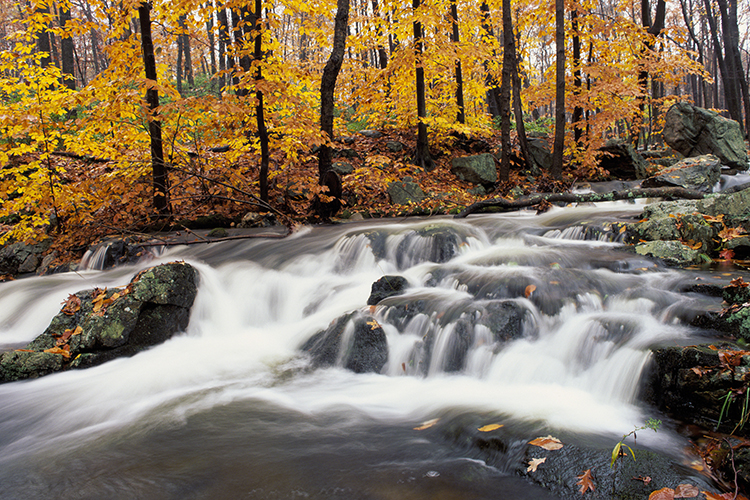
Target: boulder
[477,169]
[371,134]
[95,326]
[256,219]
[622,161]
[540,153]
[342,167]
[700,173]
[385,287]
[21,258]
[671,251]
[694,131]
[405,192]
[366,350]
[394,146]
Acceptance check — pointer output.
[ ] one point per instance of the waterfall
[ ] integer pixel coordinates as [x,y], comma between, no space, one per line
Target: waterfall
[497,319]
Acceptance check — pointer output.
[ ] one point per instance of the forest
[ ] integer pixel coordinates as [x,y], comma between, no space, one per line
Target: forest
[120,117]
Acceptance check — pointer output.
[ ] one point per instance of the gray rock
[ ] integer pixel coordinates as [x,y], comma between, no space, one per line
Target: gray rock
[477,169]
[405,192]
[622,160]
[346,153]
[694,131]
[540,153]
[700,173]
[385,287]
[96,326]
[372,134]
[671,251]
[342,167]
[394,146]
[21,257]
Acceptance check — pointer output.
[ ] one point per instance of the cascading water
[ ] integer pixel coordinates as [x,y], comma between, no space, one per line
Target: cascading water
[503,320]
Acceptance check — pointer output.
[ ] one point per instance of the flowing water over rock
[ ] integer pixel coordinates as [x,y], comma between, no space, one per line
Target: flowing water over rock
[505,319]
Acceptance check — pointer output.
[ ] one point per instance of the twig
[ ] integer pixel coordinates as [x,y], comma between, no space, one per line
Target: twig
[215,240]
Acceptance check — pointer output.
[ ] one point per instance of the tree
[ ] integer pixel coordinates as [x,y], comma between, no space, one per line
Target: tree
[422,157]
[505,84]
[461,115]
[159,171]
[327,177]
[557,152]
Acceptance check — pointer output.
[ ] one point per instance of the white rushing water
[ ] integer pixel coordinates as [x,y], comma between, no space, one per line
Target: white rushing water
[576,366]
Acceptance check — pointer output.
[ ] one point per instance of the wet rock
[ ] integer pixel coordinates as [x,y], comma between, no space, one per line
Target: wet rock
[622,161]
[385,287]
[95,326]
[477,169]
[692,383]
[671,251]
[700,173]
[433,243]
[505,319]
[365,350]
[113,252]
[218,232]
[405,192]
[694,131]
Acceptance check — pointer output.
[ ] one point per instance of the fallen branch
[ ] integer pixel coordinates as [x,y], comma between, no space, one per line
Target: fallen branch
[503,205]
[169,243]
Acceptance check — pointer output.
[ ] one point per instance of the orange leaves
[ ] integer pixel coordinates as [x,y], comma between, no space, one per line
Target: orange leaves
[64,351]
[529,290]
[71,305]
[738,283]
[548,443]
[490,427]
[730,233]
[427,424]
[101,301]
[586,482]
[682,491]
[63,339]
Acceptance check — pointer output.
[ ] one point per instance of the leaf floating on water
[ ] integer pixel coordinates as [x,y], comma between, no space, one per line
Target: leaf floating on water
[662,494]
[529,290]
[374,325]
[586,482]
[548,443]
[490,427]
[686,491]
[534,463]
[427,424]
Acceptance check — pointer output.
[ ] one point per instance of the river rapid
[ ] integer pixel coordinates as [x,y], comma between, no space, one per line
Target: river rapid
[232,409]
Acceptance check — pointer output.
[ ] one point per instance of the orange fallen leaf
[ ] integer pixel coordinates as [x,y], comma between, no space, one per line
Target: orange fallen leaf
[427,424]
[529,290]
[71,305]
[63,351]
[548,443]
[662,494]
[534,463]
[490,427]
[686,491]
[586,481]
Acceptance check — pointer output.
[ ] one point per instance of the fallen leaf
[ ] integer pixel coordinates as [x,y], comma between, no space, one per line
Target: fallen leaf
[71,305]
[534,463]
[645,480]
[427,424]
[586,481]
[727,254]
[372,309]
[64,351]
[730,233]
[529,290]
[717,496]
[548,443]
[686,491]
[697,371]
[490,427]
[374,325]
[662,494]
[738,283]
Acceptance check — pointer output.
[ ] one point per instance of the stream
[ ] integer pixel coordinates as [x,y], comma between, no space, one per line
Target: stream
[233,409]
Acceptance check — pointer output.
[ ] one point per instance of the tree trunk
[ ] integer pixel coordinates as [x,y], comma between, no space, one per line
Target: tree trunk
[327,177]
[178,69]
[731,91]
[259,110]
[557,152]
[493,94]
[43,43]
[422,157]
[66,50]
[505,84]
[517,104]
[577,81]
[461,115]
[211,41]
[221,14]
[160,180]
[733,59]
[187,56]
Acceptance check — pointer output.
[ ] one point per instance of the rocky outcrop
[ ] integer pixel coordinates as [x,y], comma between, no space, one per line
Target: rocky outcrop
[385,287]
[622,161]
[477,169]
[694,131]
[699,174]
[95,326]
[21,258]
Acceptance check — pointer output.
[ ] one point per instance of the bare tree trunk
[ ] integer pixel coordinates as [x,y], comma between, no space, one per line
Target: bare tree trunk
[43,43]
[461,115]
[255,26]
[505,84]
[328,177]
[211,41]
[733,59]
[422,157]
[577,81]
[493,97]
[160,180]
[66,50]
[221,14]
[557,152]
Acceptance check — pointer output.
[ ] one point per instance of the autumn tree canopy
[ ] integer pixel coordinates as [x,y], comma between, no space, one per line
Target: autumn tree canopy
[244,78]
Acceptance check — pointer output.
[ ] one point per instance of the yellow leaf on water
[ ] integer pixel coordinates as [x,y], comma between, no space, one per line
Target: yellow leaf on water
[490,427]
[548,443]
[427,424]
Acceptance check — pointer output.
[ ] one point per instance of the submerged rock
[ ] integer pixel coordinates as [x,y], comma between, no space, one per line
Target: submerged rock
[95,326]
[385,287]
